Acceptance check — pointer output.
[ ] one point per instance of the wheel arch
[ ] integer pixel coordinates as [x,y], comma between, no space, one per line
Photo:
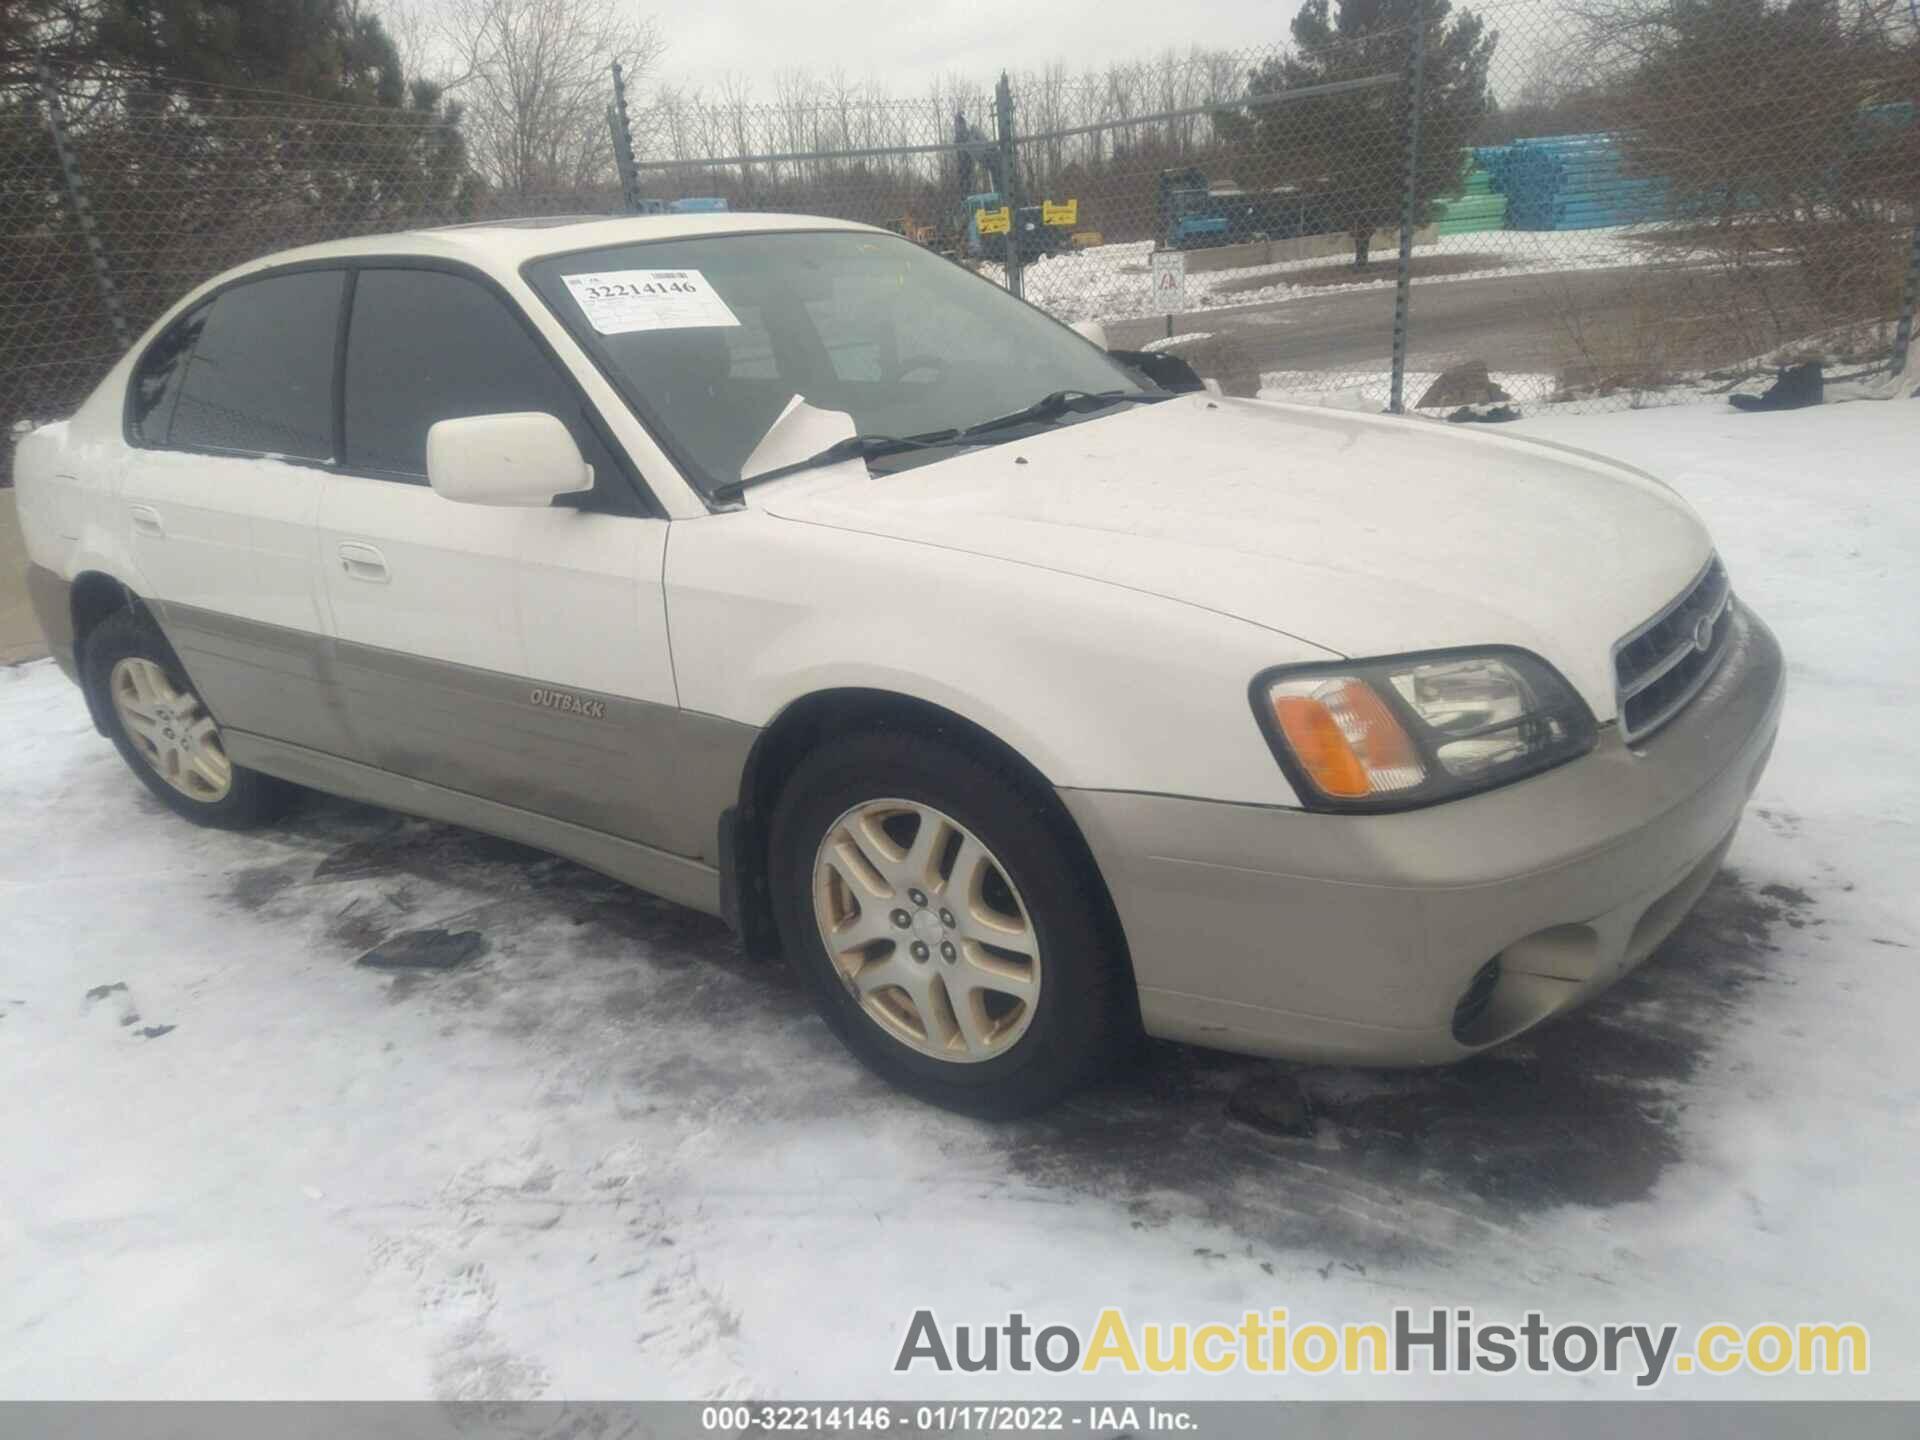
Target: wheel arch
[809,720]
[95,596]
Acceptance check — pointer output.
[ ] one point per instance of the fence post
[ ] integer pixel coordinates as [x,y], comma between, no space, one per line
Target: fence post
[1009,178]
[622,128]
[1903,332]
[1403,282]
[77,193]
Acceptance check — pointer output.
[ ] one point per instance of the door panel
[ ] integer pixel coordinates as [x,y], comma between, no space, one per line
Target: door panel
[226,543]
[232,533]
[263,679]
[515,654]
[448,589]
[225,540]
[634,769]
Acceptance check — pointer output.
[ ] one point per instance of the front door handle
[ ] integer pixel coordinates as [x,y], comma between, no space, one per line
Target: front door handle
[146,520]
[363,562]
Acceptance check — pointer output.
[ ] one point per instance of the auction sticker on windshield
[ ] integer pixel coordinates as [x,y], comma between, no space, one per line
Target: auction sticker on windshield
[617,302]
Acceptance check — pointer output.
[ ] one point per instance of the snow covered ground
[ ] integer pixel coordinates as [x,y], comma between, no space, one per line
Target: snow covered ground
[1111,282]
[1370,390]
[1854,357]
[612,1158]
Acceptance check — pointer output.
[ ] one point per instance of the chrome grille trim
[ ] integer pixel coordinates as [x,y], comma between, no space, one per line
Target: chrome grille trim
[1659,666]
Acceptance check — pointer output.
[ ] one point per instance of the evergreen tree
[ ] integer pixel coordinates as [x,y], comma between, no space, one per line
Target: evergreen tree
[1346,152]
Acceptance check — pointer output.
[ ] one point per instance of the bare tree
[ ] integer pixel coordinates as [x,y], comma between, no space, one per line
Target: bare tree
[532,78]
[736,99]
[829,122]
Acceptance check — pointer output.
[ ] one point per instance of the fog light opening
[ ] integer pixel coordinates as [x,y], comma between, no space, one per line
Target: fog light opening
[1475,1000]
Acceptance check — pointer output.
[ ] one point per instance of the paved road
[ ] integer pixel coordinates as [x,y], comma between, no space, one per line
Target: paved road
[1513,322]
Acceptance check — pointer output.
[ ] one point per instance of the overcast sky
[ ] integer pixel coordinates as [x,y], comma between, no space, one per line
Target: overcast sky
[907,44]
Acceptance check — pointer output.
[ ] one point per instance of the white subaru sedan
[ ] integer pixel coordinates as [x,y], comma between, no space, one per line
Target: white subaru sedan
[786,570]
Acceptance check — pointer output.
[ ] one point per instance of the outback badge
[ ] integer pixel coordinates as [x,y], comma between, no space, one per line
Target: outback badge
[572,704]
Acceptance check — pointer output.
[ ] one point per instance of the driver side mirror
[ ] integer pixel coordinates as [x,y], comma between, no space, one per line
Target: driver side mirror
[522,458]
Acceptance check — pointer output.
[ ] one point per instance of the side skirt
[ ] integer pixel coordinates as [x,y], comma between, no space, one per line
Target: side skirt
[672,877]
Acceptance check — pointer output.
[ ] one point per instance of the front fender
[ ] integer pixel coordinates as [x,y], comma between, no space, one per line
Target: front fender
[1095,685]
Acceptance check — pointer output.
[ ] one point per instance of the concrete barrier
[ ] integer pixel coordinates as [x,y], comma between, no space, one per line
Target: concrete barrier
[19,631]
[1298,247]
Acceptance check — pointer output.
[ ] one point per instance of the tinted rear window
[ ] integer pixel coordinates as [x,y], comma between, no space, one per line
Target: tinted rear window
[261,376]
[156,384]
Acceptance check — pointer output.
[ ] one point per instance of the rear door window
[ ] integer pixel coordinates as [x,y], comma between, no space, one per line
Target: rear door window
[260,376]
[156,384]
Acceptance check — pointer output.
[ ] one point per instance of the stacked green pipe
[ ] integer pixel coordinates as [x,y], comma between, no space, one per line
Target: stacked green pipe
[1477,207]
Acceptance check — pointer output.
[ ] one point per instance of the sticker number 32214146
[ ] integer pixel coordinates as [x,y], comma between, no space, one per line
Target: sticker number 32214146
[650,287]
[617,302]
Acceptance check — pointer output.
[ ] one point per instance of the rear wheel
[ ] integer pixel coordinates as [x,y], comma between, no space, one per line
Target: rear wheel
[164,731]
[946,926]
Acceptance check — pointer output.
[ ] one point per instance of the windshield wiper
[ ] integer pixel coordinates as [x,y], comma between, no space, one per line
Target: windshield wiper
[873,447]
[854,447]
[1062,402]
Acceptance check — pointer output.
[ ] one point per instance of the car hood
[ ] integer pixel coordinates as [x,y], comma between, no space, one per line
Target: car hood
[1364,535]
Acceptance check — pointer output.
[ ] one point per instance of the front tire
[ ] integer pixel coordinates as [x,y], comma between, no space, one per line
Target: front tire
[946,924]
[164,731]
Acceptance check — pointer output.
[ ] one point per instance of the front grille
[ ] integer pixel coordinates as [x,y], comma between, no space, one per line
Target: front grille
[1662,665]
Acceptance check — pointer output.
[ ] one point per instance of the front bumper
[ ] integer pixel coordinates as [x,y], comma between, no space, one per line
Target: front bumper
[1358,938]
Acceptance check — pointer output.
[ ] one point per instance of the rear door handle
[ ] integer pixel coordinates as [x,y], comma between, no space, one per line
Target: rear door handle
[146,520]
[363,562]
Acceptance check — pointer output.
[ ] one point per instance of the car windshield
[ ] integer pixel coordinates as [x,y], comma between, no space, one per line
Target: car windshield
[709,339]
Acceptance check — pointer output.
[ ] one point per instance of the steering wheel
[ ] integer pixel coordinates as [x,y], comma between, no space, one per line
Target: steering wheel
[915,364]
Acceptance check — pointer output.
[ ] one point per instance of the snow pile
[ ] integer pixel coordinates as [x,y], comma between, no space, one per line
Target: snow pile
[1896,382]
[1174,342]
[1372,389]
[1850,355]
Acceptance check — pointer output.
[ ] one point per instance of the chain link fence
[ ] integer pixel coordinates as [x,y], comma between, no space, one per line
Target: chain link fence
[1415,205]
[1689,196]
[117,197]
[1441,208]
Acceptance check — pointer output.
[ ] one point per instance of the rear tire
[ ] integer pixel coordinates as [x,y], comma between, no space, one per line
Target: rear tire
[972,963]
[164,731]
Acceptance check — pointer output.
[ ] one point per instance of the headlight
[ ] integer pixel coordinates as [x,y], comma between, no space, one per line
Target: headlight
[1411,730]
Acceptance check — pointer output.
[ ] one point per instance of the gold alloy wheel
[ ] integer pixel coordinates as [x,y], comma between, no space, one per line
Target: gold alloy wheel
[171,729]
[926,930]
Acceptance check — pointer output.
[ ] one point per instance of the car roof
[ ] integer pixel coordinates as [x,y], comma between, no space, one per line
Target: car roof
[506,244]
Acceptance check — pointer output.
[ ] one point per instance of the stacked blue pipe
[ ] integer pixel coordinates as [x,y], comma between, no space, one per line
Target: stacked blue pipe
[1570,182]
[1579,182]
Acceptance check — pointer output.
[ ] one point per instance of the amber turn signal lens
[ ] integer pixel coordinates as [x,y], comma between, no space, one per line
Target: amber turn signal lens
[1347,740]
[1323,752]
